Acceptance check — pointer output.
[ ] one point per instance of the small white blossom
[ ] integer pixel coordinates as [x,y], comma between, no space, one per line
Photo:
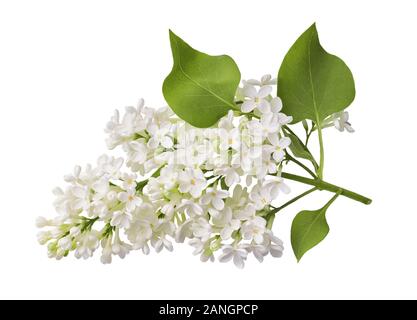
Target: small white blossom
[256,99]
[121,219]
[130,199]
[341,122]
[254,229]
[238,254]
[265,81]
[191,181]
[214,197]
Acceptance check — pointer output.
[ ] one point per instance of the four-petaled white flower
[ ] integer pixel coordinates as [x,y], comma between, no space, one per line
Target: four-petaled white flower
[191,181]
[256,99]
[214,197]
[237,253]
[160,136]
[130,199]
[254,229]
[279,146]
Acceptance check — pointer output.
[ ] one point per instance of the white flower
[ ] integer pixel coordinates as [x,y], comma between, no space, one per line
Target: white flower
[224,221]
[229,139]
[259,251]
[340,122]
[141,228]
[80,199]
[202,248]
[160,243]
[214,197]
[201,228]
[42,222]
[237,253]
[266,127]
[265,80]
[110,165]
[43,237]
[129,181]
[106,253]
[276,105]
[190,208]
[88,243]
[227,121]
[256,99]
[121,219]
[130,199]
[279,146]
[119,247]
[276,185]
[160,136]
[168,177]
[254,229]
[137,153]
[75,231]
[230,173]
[261,196]
[273,244]
[65,243]
[184,231]
[197,244]
[192,181]
[159,240]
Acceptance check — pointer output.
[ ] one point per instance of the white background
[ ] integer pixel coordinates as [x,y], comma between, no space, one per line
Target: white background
[64,67]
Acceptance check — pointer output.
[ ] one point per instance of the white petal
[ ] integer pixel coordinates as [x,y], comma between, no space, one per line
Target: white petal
[284,142]
[205,200]
[248,106]
[238,261]
[153,143]
[276,104]
[264,107]
[349,128]
[258,255]
[264,91]
[273,138]
[226,233]
[249,91]
[265,78]
[226,256]
[218,203]
[253,82]
[122,196]
[284,188]
[167,142]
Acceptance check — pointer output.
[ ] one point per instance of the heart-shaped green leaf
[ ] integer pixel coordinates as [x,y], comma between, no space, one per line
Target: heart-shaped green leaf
[313,83]
[200,88]
[309,228]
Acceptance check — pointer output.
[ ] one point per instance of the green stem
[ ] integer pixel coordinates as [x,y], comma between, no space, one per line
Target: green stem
[323,185]
[312,160]
[321,165]
[308,135]
[290,158]
[338,193]
[271,215]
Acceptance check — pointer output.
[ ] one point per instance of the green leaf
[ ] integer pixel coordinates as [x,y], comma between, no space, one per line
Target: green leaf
[200,88]
[309,228]
[299,150]
[313,83]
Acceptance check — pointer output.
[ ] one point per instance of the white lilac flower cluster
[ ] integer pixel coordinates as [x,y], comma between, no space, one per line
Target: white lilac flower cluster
[211,186]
